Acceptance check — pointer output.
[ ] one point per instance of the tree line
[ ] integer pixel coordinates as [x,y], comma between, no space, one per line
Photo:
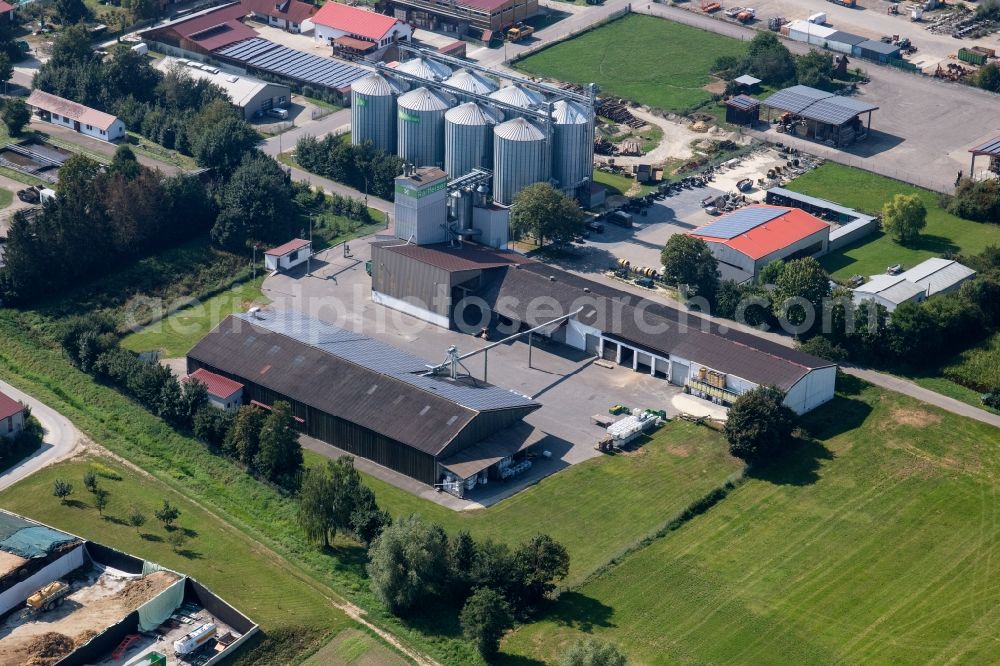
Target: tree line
[362,167]
[769,60]
[264,441]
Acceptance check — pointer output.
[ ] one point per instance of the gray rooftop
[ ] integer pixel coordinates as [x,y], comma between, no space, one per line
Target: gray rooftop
[991,147]
[819,203]
[818,105]
[267,56]
[878,47]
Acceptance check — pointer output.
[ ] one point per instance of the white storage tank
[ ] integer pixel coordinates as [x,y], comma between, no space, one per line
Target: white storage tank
[473,82]
[468,138]
[420,126]
[373,111]
[519,158]
[520,97]
[572,144]
[425,69]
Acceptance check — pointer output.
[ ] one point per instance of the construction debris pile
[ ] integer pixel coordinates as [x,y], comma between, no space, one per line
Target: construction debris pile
[616,110]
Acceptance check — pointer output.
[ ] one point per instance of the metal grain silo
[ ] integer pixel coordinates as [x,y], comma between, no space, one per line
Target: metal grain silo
[572,144]
[518,96]
[519,158]
[373,111]
[425,69]
[420,126]
[468,138]
[472,82]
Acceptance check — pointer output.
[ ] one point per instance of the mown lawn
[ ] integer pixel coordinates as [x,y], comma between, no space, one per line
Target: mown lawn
[945,233]
[598,508]
[871,546]
[175,335]
[652,61]
[6,197]
[259,583]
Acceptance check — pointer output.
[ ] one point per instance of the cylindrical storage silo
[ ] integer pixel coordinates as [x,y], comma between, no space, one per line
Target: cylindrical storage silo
[425,69]
[572,144]
[518,158]
[373,111]
[420,126]
[468,138]
[472,82]
[518,96]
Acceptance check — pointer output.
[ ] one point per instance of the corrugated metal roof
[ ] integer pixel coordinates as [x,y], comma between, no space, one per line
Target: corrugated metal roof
[353,377]
[936,274]
[493,449]
[878,47]
[422,99]
[567,112]
[846,38]
[991,147]
[651,326]
[740,221]
[893,288]
[267,56]
[471,113]
[819,203]
[473,82]
[519,129]
[743,103]
[518,96]
[836,110]
[468,257]
[795,99]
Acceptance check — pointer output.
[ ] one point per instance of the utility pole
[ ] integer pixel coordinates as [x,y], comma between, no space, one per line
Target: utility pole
[309,259]
[253,262]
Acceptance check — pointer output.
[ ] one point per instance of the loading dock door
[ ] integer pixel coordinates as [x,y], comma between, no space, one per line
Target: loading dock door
[591,344]
[679,373]
[610,351]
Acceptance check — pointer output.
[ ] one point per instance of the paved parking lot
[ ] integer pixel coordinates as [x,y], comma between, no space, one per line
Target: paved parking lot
[568,384]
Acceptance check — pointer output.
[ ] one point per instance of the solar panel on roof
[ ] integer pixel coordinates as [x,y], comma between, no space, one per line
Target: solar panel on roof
[740,222]
[836,110]
[795,99]
[270,57]
[991,147]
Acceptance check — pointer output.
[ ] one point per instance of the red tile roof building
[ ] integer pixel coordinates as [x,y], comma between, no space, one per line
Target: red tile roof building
[9,407]
[335,20]
[752,237]
[222,389]
[204,31]
[287,14]
[83,119]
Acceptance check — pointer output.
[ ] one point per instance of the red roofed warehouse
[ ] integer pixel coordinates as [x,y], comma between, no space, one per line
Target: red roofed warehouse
[747,240]
[223,392]
[463,16]
[77,117]
[11,416]
[358,29]
[204,31]
[287,256]
[286,14]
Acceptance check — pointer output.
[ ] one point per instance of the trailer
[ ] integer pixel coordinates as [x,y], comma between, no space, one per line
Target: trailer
[48,597]
[196,639]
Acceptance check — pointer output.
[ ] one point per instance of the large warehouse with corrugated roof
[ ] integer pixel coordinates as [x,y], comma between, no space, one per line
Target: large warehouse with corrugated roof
[368,398]
[513,293]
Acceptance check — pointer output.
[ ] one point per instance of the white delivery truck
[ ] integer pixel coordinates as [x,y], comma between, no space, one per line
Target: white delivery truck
[196,639]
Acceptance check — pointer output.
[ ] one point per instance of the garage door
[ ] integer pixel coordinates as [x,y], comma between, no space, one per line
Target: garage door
[592,343]
[610,351]
[679,373]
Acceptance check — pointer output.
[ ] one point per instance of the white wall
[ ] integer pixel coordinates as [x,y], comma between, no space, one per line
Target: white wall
[728,255]
[812,390]
[229,405]
[410,309]
[116,131]
[18,593]
[11,426]
[286,262]
[325,34]
[822,236]
[576,334]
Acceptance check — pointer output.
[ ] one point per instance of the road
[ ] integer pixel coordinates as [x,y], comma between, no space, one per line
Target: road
[284,142]
[924,395]
[61,438]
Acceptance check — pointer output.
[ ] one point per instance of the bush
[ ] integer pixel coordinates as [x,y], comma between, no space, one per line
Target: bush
[977,200]
[759,425]
[484,618]
[592,652]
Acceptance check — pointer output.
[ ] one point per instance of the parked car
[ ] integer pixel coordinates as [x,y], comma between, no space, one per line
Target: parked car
[645,282]
[278,113]
[596,227]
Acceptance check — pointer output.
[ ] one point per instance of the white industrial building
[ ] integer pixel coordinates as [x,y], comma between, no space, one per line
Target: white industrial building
[251,96]
[926,279]
[356,29]
[289,255]
[77,117]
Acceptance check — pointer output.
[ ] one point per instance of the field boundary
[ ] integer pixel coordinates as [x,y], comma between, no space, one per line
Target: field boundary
[696,508]
[533,50]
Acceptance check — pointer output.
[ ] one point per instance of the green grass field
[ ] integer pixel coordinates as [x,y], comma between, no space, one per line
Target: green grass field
[873,545]
[258,582]
[598,508]
[174,336]
[6,197]
[944,233]
[652,61]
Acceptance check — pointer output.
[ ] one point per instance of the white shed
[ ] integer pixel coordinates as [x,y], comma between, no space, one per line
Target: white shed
[289,255]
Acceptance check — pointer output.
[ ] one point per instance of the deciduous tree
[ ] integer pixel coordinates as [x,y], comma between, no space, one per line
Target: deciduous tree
[167,514]
[546,213]
[279,458]
[800,279]
[688,261]
[759,426]
[484,618]
[16,115]
[592,652]
[407,563]
[903,217]
[62,489]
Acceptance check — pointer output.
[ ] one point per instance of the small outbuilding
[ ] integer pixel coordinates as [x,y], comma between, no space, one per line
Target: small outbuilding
[223,393]
[990,149]
[288,15]
[742,110]
[11,416]
[928,278]
[747,83]
[289,255]
[877,51]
